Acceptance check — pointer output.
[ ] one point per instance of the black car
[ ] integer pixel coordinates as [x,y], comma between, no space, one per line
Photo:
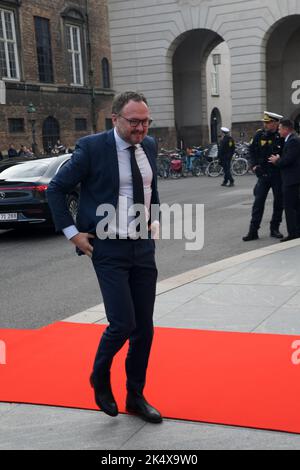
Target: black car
[23,199]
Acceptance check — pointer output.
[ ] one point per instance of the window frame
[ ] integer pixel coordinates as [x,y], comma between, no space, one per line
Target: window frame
[51,63]
[12,121]
[13,41]
[80,120]
[215,81]
[73,52]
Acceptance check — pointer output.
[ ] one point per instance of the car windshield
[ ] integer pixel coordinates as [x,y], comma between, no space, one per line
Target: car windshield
[25,170]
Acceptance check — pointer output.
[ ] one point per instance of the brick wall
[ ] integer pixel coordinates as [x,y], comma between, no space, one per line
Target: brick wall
[58,99]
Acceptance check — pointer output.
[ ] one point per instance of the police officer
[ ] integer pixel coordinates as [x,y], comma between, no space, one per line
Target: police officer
[226,151]
[266,142]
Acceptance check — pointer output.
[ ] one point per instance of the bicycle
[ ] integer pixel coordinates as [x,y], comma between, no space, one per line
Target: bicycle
[239,167]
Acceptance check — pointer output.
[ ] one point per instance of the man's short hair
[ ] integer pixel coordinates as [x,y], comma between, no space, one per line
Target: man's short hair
[122,99]
[287,123]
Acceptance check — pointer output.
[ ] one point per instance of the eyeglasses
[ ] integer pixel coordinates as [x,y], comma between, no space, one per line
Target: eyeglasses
[136,122]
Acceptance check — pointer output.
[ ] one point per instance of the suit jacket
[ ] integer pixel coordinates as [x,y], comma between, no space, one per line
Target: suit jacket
[289,162]
[94,164]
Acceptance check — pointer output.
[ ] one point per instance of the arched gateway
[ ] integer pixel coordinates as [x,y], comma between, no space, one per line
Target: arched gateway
[160,48]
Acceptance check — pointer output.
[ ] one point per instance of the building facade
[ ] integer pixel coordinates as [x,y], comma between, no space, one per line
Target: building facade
[161,48]
[55,71]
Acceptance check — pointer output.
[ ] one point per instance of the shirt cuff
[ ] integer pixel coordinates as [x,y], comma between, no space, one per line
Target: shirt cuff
[70,232]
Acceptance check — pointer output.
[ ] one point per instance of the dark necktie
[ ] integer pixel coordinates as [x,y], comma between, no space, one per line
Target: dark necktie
[137,184]
[137,180]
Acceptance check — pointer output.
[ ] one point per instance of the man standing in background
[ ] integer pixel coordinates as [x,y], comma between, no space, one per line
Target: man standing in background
[226,152]
[289,164]
[266,142]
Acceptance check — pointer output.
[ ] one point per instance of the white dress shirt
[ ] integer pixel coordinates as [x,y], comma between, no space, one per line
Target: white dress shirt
[120,225]
[287,137]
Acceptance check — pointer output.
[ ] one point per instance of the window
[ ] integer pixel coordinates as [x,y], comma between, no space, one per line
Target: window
[9,66]
[105,73]
[16,125]
[80,124]
[215,89]
[51,133]
[215,82]
[44,52]
[27,169]
[74,54]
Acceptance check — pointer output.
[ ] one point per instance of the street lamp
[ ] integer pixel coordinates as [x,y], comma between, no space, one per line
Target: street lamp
[31,111]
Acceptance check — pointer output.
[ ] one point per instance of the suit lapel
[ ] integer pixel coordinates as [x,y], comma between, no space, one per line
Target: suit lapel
[148,153]
[112,159]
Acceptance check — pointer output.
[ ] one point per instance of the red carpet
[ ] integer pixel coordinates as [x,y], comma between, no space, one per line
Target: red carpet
[227,378]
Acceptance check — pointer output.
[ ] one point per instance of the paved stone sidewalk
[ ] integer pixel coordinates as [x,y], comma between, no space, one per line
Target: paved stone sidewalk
[255,292]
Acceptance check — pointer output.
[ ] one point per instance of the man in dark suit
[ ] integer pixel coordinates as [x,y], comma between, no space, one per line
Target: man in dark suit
[225,154]
[289,164]
[117,169]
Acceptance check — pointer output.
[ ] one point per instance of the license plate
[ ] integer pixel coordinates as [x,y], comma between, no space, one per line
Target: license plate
[7,217]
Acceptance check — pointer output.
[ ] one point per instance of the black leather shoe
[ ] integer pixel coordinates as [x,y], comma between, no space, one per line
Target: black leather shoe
[231,185]
[287,239]
[136,404]
[224,184]
[104,398]
[276,234]
[252,235]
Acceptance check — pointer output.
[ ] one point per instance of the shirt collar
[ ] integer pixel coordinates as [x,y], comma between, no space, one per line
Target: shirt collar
[287,138]
[122,144]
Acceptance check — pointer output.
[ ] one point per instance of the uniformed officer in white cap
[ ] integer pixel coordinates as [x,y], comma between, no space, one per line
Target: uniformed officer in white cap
[225,154]
[265,143]
[268,117]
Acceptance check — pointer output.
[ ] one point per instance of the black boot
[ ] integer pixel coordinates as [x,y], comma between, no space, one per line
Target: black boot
[104,397]
[137,404]
[275,233]
[252,235]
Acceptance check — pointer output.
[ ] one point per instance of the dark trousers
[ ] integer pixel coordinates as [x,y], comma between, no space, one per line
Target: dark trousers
[127,277]
[226,164]
[291,198]
[261,190]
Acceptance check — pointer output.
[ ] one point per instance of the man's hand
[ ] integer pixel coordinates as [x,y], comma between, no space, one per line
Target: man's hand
[274,159]
[155,230]
[81,240]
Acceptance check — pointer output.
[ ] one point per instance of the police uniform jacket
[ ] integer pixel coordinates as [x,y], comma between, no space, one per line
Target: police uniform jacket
[263,145]
[226,148]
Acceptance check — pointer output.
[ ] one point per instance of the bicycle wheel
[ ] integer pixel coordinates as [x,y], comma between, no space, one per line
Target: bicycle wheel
[214,169]
[160,170]
[239,167]
[196,168]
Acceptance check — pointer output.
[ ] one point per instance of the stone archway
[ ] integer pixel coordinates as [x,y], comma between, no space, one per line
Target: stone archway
[296,119]
[190,54]
[283,66]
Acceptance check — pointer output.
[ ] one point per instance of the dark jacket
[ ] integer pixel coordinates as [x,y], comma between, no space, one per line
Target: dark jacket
[226,148]
[263,145]
[12,153]
[289,162]
[94,164]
